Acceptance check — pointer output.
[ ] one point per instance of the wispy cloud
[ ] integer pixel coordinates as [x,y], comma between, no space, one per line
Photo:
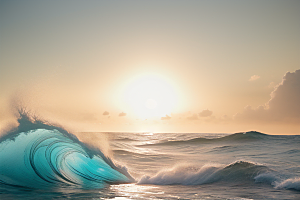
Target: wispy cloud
[205,113]
[122,114]
[254,78]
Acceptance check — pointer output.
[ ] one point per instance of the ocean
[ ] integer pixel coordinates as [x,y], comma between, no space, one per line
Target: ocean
[43,161]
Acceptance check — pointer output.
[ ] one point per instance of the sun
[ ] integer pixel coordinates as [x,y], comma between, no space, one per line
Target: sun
[150,96]
[151,104]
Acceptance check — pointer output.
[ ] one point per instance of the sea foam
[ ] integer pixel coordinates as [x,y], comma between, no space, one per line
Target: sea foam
[238,171]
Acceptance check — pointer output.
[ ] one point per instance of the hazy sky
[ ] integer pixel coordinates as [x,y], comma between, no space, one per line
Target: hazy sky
[164,66]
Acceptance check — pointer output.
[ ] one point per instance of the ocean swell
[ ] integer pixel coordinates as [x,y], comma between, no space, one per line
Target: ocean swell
[237,137]
[237,173]
[39,155]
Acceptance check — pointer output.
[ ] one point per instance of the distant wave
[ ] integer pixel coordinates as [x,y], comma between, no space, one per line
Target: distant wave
[191,175]
[125,139]
[39,155]
[239,172]
[244,136]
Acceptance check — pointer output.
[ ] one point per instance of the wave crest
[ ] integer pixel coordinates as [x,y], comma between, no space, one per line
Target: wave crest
[40,155]
[191,175]
[291,183]
[239,172]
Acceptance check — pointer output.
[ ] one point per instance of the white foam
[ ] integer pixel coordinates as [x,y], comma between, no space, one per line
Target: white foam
[192,175]
[183,175]
[292,183]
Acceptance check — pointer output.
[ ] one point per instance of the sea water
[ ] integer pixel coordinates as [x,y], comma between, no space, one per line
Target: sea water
[42,161]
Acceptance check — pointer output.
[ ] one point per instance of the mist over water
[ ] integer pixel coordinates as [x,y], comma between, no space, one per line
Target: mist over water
[41,160]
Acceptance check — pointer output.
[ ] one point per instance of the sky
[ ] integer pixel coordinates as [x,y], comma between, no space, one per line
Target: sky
[153,66]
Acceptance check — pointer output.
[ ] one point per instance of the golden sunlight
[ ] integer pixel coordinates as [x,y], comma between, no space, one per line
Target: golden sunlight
[150,96]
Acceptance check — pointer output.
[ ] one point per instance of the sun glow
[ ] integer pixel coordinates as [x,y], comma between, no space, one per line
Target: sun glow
[150,96]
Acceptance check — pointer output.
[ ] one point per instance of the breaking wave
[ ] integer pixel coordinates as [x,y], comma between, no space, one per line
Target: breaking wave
[239,172]
[40,155]
[292,183]
[210,173]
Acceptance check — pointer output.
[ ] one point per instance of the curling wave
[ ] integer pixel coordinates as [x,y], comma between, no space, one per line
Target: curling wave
[38,155]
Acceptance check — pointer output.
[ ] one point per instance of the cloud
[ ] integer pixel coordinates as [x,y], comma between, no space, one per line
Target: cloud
[254,78]
[284,105]
[167,117]
[205,113]
[106,113]
[122,114]
[193,117]
[272,85]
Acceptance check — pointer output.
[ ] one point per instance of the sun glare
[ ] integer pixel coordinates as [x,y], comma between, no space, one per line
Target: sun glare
[151,103]
[150,96]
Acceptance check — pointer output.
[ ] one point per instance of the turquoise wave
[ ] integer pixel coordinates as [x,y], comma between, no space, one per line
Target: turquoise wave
[39,155]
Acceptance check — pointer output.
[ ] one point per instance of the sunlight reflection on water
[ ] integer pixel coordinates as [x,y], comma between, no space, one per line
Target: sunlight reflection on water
[134,191]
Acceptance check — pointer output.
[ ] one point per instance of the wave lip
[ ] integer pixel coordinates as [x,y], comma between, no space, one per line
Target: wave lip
[46,156]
